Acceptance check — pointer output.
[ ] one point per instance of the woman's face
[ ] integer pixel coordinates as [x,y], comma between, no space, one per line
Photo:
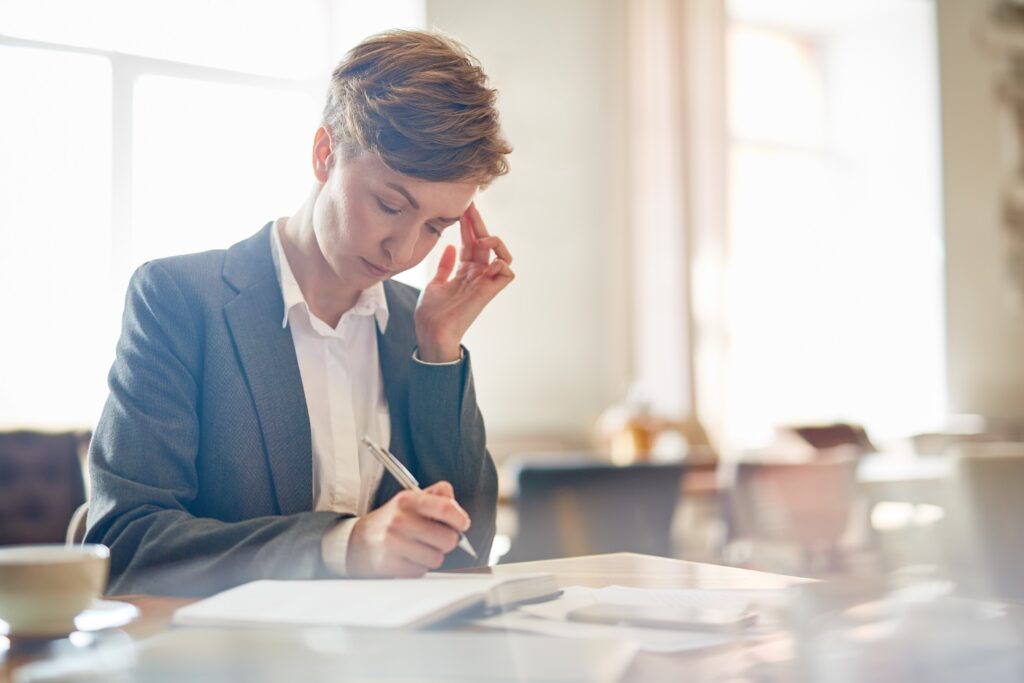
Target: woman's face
[372,222]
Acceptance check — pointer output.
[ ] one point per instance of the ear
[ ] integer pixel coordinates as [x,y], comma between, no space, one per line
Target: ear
[323,154]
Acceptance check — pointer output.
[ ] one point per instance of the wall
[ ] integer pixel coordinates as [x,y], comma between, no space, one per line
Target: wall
[985,319]
[552,351]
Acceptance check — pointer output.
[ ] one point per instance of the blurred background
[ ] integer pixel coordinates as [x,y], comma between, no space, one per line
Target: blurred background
[743,229]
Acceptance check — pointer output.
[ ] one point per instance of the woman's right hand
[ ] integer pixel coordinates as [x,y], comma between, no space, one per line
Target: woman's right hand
[407,536]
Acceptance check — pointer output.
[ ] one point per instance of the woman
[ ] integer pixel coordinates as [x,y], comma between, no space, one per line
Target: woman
[229,447]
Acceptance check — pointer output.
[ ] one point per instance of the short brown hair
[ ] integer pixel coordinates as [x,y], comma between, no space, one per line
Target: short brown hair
[419,101]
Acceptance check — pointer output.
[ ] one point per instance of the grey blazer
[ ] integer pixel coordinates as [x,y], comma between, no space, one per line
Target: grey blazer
[201,464]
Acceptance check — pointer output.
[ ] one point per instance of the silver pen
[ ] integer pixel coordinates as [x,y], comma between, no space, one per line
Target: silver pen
[408,482]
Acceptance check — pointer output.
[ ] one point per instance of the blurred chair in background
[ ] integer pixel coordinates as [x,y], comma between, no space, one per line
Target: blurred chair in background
[585,509]
[988,554]
[41,484]
[805,507]
[822,437]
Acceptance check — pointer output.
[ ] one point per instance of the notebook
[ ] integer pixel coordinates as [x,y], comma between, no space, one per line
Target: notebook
[374,603]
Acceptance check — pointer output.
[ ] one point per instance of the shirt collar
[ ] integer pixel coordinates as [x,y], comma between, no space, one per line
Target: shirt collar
[372,300]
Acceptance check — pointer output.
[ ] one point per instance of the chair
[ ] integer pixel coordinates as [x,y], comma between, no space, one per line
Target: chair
[575,509]
[823,437]
[41,485]
[805,505]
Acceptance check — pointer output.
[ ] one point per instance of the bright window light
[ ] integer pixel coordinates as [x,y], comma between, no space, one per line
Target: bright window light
[136,130]
[207,175]
[787,107]
[835,266]
[56,268]
[268,37]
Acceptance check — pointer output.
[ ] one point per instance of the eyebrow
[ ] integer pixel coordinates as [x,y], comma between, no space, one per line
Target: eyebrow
[415,204]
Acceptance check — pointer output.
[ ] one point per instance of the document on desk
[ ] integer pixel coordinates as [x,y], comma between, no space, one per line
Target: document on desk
[551,618]
[376,603]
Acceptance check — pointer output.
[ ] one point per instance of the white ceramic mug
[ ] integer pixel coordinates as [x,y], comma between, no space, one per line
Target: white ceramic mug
[44,587]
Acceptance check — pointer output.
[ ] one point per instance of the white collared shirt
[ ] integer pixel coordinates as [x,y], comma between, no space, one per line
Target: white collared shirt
[341,380]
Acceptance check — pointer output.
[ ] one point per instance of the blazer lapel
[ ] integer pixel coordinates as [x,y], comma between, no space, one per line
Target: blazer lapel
[267,356]
[395,349]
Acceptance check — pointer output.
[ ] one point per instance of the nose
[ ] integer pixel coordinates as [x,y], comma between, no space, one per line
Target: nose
[400,244]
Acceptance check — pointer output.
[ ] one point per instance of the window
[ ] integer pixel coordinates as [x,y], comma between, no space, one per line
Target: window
[835,259]
[139,130]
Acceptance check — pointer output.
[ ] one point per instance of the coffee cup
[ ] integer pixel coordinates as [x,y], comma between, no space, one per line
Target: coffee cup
[44,587]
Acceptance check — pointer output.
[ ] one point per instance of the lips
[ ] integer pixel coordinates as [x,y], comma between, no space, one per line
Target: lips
[375,270]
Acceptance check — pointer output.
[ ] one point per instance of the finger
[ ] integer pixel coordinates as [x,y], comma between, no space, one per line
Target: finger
[409,525]
[441,488]
[500,250]
[414,551]
[479,227]
[468,237]
[480,254]
[441,509]
[499,270]
[445,265]
[409,558]
[403,569]
[438,537]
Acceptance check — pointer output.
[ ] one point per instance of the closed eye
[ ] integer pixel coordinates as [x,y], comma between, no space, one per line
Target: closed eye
[390,210]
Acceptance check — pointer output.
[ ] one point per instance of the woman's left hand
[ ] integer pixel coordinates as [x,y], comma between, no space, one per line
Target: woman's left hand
[449,305]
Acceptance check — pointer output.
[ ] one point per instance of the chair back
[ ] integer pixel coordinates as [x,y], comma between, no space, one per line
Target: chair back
[806,503]
[587,509]
[41,485]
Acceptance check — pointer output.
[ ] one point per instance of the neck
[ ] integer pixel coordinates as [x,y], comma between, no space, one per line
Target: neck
[326,295]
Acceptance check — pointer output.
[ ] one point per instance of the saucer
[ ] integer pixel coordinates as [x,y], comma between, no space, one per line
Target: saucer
[102,614]
[106,614]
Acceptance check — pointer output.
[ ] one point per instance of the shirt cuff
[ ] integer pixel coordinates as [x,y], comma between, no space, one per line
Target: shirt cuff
[416,357]
[334,546]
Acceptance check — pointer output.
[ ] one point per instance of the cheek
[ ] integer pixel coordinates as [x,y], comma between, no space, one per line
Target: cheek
[332,221]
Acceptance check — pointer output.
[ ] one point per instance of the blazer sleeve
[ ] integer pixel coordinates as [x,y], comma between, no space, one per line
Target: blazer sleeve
[449,440]
[142,465]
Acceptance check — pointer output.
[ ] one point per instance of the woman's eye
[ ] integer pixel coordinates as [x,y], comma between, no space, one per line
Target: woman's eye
[387,209]
[433,231]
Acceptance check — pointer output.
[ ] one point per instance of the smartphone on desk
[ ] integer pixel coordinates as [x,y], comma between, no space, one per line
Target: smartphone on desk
[665,616]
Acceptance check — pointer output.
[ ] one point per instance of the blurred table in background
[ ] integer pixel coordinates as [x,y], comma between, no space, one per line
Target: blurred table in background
[905,478]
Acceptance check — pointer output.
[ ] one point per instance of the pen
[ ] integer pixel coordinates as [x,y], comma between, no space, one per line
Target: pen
[408,482]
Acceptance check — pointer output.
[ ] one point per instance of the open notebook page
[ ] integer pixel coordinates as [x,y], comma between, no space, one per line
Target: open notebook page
[383,603]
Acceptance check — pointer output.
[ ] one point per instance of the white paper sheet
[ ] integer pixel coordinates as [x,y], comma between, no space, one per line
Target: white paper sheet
[647,639]
[551,617]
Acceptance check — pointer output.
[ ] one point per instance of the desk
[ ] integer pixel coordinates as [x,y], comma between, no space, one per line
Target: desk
[944,644]
[596,571]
